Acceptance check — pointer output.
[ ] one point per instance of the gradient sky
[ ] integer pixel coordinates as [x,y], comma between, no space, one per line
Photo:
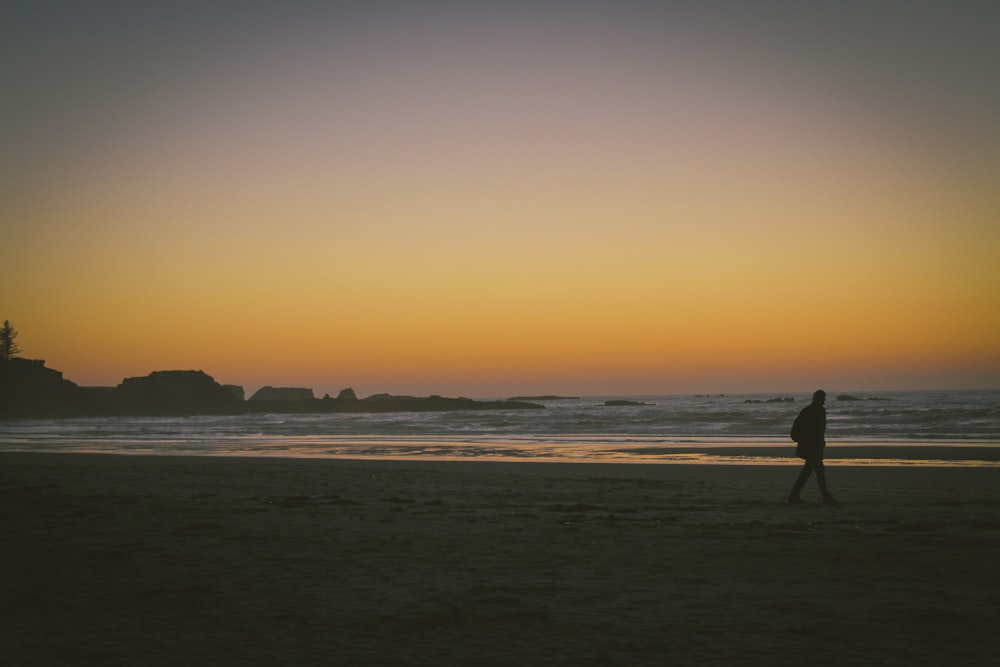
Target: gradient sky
[493,198]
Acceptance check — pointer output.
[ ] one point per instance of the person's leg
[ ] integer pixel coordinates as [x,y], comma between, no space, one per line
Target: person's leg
[821,479]
[807,468]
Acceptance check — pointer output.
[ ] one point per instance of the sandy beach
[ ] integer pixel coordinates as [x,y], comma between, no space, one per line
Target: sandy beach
[146,560]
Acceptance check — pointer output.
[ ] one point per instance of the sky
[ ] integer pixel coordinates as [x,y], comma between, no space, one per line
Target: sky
[487,199]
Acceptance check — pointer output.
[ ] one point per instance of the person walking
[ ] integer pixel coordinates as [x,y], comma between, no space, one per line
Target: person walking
[809,434]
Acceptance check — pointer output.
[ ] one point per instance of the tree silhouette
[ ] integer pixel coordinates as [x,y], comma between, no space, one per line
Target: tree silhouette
[8,344]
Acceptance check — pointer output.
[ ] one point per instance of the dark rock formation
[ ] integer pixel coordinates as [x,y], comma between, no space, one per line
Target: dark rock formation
[283,394]
[174,393]
[390,397]
[236,390]
[29,389]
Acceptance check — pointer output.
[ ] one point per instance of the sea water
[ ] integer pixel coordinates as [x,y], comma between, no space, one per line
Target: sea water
[939,427]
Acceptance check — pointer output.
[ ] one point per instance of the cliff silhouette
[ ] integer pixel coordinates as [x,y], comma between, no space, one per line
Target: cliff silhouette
[269,393]
[29,389]
[173,393]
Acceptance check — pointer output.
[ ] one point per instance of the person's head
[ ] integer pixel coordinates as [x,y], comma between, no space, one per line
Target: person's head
[819,397]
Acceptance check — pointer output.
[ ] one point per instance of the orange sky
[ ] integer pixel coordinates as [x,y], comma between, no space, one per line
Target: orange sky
[495,203]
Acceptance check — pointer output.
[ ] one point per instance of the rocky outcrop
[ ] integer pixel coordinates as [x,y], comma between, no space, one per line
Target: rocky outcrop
[30,389]
[283,394]
[347,395]
[236,390]
[174,393]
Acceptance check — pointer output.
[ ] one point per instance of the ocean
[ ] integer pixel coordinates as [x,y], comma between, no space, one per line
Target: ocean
[864,428]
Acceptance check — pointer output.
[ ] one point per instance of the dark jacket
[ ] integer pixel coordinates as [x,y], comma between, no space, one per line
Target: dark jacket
[809,431]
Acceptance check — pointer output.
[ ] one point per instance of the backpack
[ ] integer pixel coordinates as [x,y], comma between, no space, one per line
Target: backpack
[797,428]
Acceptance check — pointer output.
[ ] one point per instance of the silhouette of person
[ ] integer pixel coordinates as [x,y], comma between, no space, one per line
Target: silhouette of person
[809,432]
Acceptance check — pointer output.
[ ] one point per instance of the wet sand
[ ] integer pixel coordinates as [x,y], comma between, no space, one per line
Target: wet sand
[145,560]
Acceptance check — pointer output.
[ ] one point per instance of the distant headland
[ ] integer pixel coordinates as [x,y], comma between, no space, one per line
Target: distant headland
[29,389]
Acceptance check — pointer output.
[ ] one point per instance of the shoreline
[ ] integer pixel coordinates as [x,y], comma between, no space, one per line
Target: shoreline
[781,469]
[784,469]
[902,454]
[164,560]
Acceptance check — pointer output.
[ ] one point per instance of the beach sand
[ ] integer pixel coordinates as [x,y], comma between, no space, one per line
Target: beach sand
[145,560]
